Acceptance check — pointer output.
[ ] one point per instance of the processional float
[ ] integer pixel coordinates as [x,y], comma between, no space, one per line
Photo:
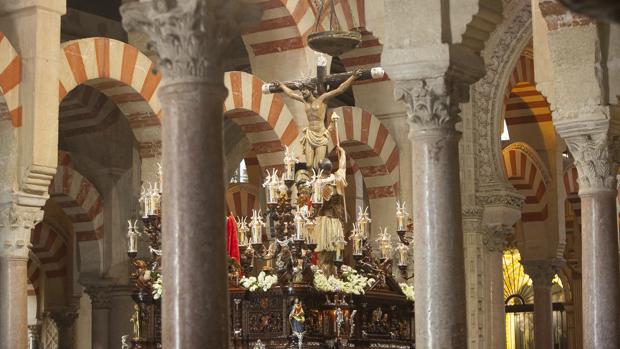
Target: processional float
[306,276]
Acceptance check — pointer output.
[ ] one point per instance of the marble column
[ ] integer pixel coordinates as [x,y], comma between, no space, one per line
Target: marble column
[16,222]
[440,305]
[100,301]
[191,38]
[64,320]
[495,237]
[541,272]
[599,239]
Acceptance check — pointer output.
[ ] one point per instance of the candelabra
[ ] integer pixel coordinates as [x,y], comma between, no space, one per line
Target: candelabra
[146,270]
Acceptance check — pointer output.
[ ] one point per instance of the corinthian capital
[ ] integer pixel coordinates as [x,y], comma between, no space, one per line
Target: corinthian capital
[190,36]
[542,272]
[16,222]
[593,154]
[99,296]
[431,103]
[495,237]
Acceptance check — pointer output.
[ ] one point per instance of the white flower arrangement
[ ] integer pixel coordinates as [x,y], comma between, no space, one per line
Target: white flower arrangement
[158,287]
[351,282]
[263,283]
[408,291]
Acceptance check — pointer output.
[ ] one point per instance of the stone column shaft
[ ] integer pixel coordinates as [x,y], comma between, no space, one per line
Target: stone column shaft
[542,272]
[439,255]
[599,238]
[191,37]
[600,275]
[100,300]
[496,314]
[16,222]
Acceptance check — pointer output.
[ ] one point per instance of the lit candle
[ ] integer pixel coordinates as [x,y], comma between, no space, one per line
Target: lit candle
[317,188]
[403,251]
[289,164]
[363,221]
[257,224]
[385,246]
[267,186]
[310,231]
[357,241]
[401,216]
[155,200]
[146,202]
[340,243]
[132,238]
[242,229]
[299,225]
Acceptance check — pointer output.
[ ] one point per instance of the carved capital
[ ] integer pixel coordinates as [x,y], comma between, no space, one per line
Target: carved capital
[593,156]
[542,272]
[16,223]
[99,296]
[64,319]
[431,103]
[495,237]
[190,37]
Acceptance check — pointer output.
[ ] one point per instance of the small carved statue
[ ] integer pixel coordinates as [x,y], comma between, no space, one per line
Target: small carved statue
[125,342]
[135,320]
[297,318]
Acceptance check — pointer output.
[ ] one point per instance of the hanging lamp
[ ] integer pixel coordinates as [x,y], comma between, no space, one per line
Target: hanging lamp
[334,41]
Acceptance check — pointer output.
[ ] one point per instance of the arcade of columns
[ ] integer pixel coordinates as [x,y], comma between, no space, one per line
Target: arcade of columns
[448,70]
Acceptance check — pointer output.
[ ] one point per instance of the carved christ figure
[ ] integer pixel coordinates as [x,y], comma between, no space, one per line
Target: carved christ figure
[316,135]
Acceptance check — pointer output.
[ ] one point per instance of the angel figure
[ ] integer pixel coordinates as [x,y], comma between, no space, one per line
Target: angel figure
[316,135]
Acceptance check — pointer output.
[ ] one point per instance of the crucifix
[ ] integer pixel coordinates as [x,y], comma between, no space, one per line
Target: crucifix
[314,93]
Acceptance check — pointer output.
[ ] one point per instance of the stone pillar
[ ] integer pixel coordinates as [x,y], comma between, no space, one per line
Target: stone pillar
[100,301]
[16,222]
[439,258]
[34,337]
[33,27]
[600,285]
[191,38]
[64,320]
[495,237]
[474,276]
[541,272]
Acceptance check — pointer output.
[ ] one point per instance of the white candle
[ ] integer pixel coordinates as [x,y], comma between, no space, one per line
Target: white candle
[299,226]
[339,250]
[402,254]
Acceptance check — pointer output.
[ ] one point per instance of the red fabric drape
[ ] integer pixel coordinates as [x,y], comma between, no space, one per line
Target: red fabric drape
[233,243]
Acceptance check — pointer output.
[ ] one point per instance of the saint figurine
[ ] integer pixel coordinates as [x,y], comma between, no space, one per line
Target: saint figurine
[135,320]
[328,228]
[316,135]
[297,318]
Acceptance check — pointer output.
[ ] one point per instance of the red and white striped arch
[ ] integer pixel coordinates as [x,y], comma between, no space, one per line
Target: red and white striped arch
[524,170]
[242,198]
[122,73]
[284,26]
[79,200]
[83,205]
[50,247]
[265,119]
[10,80]
[524,104]
[372,147]
[571,188]
[34,272]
